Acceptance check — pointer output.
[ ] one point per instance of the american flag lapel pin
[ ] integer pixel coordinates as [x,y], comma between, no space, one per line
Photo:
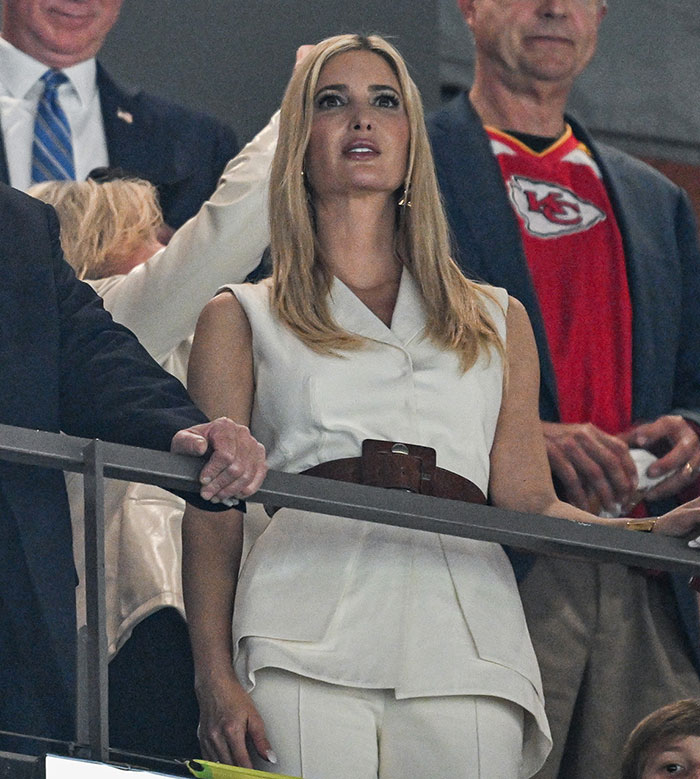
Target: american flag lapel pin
[125,116]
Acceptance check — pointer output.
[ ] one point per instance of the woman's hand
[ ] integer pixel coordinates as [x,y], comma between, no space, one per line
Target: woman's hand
[682,521]
[227,720]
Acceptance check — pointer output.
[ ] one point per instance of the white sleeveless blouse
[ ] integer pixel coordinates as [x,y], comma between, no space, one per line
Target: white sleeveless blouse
[368,605]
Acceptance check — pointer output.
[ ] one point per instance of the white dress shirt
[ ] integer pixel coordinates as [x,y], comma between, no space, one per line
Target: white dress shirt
[20,91]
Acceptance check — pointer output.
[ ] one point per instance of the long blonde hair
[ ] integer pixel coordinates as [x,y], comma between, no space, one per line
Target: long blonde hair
[102,223]
[455,316]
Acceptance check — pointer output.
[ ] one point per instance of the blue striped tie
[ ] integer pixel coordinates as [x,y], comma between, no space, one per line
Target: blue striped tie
[52,149]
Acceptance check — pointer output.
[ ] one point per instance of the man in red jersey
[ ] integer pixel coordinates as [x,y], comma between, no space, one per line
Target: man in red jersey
[603,252]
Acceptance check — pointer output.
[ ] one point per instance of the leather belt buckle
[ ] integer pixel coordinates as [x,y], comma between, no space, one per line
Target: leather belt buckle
[395,465]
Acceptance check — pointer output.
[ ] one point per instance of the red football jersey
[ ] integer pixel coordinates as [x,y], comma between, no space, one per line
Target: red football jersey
[575,254]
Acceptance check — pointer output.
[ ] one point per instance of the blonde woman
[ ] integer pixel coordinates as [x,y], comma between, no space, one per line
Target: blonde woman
[362,651]
[107,228]
[109,234]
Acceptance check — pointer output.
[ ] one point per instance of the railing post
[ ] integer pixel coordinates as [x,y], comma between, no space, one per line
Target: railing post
[97,677]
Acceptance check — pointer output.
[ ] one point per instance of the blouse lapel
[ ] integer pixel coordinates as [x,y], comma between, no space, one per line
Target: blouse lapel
[409,313]
[354,316]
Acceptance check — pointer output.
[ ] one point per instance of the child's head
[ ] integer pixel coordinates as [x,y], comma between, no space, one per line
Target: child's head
[665,744]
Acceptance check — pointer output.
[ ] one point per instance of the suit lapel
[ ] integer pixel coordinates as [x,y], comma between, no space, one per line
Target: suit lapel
[408,320]
[470,172]
[134,142]
[483,223]
[124,133]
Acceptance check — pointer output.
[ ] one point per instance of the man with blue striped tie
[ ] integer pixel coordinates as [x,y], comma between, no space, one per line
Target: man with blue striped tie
[52,148]
[61,116]
[49,71]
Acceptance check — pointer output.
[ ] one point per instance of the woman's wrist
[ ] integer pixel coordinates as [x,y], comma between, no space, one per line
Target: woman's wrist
[641,524]
[212,677]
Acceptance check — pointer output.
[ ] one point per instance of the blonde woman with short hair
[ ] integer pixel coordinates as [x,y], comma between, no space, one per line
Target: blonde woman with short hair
[107,228]
[358,650]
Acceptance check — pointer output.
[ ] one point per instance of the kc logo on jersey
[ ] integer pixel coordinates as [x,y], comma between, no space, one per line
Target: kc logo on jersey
[549,210]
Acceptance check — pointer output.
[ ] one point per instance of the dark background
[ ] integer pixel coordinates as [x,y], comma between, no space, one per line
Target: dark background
[233,59]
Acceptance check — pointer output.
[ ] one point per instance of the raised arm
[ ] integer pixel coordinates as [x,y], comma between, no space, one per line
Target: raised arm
[520,474]
[160,299]
[221,382]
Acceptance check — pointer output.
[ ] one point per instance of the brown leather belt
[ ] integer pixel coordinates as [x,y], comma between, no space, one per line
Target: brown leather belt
[400,466]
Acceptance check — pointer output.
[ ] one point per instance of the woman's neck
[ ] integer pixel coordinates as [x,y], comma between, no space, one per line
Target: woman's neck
[356,239]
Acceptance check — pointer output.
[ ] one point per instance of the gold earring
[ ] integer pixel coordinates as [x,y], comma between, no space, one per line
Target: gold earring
[405,200]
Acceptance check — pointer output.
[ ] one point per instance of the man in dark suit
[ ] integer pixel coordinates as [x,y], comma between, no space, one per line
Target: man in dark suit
[182,152]
[602,251]
[65,365]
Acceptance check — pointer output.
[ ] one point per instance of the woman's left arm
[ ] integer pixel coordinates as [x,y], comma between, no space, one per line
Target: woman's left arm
[520,475]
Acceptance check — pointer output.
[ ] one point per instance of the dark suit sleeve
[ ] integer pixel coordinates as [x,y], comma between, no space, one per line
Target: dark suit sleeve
[110,388]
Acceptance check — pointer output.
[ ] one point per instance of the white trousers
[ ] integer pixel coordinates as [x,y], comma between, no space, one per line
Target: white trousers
[326,731]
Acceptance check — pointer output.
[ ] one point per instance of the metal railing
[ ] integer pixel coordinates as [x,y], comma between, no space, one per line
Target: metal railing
[98,460]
